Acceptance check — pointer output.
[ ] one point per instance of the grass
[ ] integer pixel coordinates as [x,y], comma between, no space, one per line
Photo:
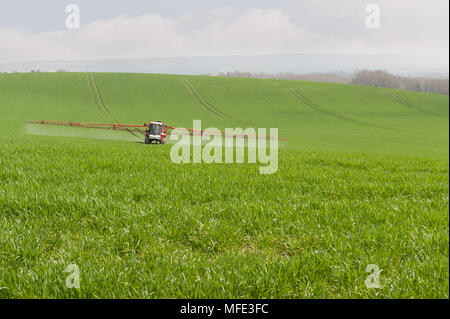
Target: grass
[362,181]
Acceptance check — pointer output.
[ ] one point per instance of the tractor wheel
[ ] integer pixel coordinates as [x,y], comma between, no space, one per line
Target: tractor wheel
[163,140]
[147,140]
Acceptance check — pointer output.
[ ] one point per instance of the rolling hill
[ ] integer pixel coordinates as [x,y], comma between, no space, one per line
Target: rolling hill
[313,116]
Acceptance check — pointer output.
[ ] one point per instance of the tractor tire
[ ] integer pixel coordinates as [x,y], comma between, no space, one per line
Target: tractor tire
[163,140]
[147,140]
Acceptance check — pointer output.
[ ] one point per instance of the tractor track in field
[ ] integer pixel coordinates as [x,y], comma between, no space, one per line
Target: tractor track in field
[299,96]
[99,101]
[202,100]
[103,109]
[206,104]
[315,107]
[94,99]
[400,100]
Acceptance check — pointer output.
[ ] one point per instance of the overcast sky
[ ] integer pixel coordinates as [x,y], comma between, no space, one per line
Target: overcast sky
[110,29]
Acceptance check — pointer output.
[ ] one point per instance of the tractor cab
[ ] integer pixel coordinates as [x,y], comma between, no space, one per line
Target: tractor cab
[156,132]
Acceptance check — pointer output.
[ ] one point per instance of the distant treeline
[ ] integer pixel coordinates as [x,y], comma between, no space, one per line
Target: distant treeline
[387,80]
[366,77]
[314,77]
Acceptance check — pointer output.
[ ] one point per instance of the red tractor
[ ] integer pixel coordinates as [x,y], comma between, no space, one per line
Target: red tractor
[156,132]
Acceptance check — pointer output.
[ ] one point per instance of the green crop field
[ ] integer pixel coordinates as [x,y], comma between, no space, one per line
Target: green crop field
[362,180]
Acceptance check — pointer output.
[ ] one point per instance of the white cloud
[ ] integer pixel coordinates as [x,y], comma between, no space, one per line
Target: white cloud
[228,32]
